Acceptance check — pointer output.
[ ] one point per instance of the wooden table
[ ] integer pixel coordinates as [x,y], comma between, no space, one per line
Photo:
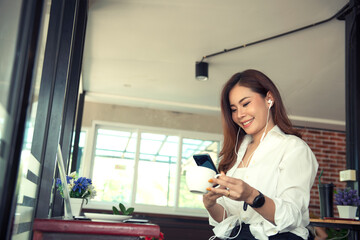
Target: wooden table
[353,225]
[48,229]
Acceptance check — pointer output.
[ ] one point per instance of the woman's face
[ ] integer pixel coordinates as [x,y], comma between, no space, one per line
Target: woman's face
[249,110]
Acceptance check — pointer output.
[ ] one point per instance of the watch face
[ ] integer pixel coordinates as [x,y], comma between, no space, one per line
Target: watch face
[258,201]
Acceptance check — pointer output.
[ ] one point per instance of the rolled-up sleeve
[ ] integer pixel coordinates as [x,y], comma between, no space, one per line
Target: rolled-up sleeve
[297,172]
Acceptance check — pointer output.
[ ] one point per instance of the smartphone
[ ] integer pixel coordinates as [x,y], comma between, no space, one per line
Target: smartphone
[135,220]
[205,160]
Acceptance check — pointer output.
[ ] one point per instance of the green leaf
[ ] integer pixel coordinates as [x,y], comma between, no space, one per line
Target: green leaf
[130,211]
[122,208]
[115,211]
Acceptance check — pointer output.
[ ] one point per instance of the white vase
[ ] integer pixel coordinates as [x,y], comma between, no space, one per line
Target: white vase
[76,206]
[347,211]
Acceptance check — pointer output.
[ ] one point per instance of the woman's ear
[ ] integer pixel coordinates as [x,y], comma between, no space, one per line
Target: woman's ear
[269,99]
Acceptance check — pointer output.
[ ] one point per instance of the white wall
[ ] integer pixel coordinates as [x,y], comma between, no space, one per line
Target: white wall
[150,117]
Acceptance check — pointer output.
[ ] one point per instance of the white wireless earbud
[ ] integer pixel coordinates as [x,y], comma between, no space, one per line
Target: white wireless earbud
[270,102]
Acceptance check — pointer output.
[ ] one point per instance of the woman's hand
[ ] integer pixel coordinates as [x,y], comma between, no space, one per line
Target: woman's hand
[209,199]
[239,190]
[233,188]
[215,210]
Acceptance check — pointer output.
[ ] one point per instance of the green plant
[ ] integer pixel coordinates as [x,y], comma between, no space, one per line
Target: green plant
[123,210]
[339,234]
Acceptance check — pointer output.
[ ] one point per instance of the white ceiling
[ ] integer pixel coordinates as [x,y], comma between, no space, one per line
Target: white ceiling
[143,52]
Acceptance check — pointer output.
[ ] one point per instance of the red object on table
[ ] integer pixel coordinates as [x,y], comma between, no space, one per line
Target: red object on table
[43,227]
[342,219]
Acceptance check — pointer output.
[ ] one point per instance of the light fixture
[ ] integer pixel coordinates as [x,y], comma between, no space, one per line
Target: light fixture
[201,71]
[202,67]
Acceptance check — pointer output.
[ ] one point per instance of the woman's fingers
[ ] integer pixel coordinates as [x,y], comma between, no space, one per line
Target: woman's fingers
[209,199]
[219,191]
[230,187]
[225,181]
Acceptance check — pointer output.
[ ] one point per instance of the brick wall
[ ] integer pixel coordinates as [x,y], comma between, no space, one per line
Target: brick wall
[329,148]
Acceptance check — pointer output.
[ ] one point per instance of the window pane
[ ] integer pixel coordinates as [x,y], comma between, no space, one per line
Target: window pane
[157,169]
[114,162]
[81,150]
[191,147]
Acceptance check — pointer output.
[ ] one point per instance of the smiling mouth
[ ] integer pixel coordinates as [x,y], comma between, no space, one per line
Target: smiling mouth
[247,123]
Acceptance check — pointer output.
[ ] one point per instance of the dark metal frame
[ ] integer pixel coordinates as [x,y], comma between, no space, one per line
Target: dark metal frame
[352,94]
[72,93]
[58,96]
[21,86]
[352,88]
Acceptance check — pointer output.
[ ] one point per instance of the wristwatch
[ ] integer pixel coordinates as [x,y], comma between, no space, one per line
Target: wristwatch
[258,202]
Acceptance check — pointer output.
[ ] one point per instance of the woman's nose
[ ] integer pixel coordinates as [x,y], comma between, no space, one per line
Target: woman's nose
[240,113]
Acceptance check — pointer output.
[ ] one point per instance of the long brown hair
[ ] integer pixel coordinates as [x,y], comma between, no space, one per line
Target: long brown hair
[259,83]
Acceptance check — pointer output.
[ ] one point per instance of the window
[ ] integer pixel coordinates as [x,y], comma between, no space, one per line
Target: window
[81,148]
[114,165]
[145,167]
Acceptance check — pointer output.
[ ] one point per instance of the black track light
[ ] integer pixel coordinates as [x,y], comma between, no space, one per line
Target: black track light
[201,71]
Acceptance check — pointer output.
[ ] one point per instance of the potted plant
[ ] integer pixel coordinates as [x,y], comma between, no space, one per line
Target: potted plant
[122,210]
[80,189]
[347,201]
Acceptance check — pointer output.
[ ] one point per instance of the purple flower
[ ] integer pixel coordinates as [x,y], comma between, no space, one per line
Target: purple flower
[347,196]
[81,184]
[68,179]
[78,187]
[58,182]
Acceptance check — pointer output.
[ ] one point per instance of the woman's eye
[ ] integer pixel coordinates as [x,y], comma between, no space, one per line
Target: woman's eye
[245,104]
[233,110]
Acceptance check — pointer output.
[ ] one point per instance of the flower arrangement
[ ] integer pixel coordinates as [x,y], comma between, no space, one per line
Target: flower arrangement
[347,197]
[79,187]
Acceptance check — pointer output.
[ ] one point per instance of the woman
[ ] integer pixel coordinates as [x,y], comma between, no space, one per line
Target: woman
[267,170]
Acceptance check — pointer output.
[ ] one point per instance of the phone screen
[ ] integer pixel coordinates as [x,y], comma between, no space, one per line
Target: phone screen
[205,160]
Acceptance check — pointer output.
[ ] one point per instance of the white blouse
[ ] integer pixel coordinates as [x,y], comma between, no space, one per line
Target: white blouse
[283,168]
